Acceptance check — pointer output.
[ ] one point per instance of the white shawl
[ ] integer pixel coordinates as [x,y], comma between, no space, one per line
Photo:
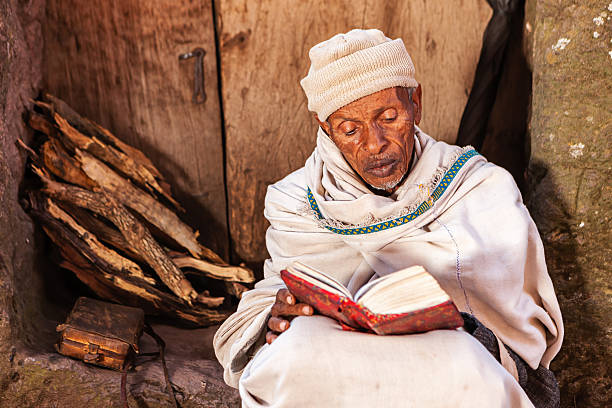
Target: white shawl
[459,216]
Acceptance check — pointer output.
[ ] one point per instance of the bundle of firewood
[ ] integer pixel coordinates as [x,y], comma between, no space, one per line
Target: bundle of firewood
[111,214]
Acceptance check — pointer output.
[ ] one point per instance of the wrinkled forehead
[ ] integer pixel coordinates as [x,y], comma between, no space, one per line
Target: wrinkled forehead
[373,104]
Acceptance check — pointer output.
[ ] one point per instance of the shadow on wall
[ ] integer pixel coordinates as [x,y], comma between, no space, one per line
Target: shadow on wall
[506,141]
[495,118]
[583,366]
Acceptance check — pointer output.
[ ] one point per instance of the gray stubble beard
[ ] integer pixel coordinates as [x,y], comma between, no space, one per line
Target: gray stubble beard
[391,184]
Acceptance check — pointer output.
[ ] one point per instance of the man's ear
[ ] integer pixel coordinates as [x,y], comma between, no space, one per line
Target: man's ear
[417,98]
[324,125]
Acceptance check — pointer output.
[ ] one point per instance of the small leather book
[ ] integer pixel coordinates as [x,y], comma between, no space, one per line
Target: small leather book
[101,333]
[406,301]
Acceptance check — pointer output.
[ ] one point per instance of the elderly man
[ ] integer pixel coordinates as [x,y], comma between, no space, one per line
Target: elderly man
[378,195]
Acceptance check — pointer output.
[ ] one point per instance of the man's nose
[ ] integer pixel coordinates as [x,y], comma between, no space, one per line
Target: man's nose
[375,140]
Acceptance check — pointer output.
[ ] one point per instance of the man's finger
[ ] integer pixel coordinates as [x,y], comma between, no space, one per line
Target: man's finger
[300,309]
[270,337]
[284,296]
[277,324]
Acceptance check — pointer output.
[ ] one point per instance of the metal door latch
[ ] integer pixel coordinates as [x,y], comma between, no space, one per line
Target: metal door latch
[199,95]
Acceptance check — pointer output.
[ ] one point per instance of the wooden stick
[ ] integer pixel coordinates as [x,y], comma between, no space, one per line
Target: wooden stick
[89,245]
[58,162]
[235,289]
[105,233]
[110,139]
[47,107]
[92,129]
[31,153]
[122,290]
[182,234]
[91,137]
[227,273]
[141,202]
[210,255]
[136,235]
[83,271]
[41,124]
[94,275]
[115,158]
[210,301]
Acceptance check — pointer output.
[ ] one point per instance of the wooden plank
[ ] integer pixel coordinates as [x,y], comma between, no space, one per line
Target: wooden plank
[444,42]
[264,53]
[116,62]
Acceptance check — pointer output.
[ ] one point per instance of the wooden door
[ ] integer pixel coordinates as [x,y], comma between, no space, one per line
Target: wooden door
[264,53]
[116,62]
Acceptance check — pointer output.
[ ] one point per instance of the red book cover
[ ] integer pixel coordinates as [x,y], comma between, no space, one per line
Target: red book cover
[354,316]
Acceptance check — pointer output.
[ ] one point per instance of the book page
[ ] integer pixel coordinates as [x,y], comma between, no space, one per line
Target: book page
[403,291]
[387,280]
[318,278]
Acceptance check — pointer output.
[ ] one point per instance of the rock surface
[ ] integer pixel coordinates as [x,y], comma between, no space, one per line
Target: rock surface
[20,76]
[46,379]
[570,193]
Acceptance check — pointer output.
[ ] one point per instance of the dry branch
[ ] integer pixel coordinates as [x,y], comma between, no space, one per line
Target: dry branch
[139,201]
[134,233]
[74,139]
[102,220]
[92,129]
[115,158]
[210,301]
[31,153]
[86,276]
[91,272]
[40,123]
[105,233]
[89,245]
[227,273]
[123,290]
[57,160]
[235,289]
[79,132]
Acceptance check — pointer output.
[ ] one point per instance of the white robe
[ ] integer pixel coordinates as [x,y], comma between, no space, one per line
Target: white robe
[460,217]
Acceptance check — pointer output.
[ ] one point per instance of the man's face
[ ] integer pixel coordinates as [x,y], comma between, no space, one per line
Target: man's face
[376,135]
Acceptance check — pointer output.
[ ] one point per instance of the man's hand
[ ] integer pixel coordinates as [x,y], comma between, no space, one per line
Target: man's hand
[284,310]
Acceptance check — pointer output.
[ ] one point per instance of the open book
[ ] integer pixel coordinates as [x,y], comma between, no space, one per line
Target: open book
[407,301]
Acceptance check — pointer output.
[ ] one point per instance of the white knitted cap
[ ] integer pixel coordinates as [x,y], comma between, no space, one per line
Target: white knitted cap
[353,65]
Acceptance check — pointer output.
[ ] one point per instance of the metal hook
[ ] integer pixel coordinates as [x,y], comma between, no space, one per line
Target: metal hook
[199,94]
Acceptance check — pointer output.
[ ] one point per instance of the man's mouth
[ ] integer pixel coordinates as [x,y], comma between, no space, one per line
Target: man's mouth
[381,168]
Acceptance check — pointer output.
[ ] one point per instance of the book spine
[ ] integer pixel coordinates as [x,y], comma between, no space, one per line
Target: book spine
[324,302]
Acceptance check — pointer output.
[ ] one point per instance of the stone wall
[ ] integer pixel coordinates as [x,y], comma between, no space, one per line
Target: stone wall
[570,193]
[20,76]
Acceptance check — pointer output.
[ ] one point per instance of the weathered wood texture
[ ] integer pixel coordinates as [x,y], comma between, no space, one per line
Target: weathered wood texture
[264,53]
[117,63]
[570,191]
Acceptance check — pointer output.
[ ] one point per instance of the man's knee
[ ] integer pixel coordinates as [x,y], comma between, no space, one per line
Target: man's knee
[297,349]
[294,357]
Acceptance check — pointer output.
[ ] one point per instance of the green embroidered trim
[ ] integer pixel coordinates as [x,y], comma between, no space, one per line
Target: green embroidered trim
[424,206]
